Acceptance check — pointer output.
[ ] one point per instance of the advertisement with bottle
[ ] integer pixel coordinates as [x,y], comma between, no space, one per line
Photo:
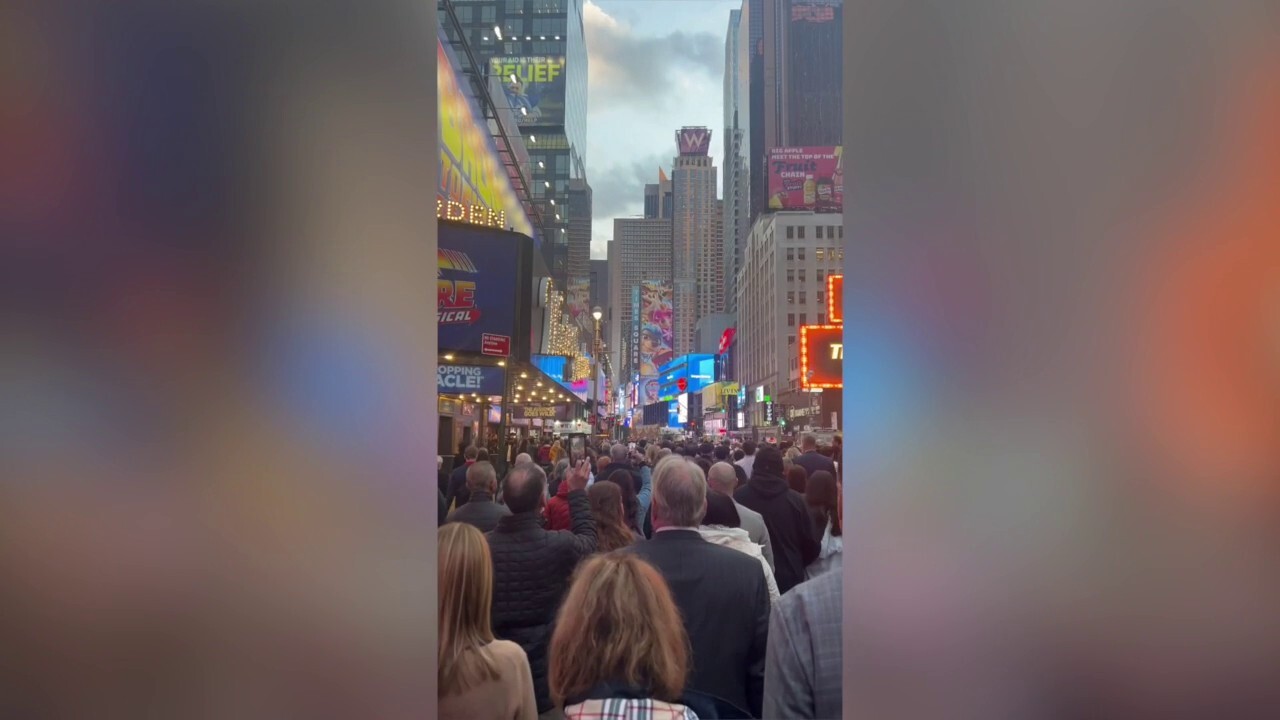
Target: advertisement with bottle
[806,178]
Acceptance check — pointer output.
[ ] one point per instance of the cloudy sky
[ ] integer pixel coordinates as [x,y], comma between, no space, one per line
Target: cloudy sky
[655,65]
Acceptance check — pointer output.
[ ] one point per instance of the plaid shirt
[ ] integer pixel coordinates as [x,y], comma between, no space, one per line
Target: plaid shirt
[628,709]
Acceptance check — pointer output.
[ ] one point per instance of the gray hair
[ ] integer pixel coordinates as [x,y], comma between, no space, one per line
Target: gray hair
[523,458]
[809,441]
[664,453]
[618,453]
[482,477]
[722,478]
[679,492]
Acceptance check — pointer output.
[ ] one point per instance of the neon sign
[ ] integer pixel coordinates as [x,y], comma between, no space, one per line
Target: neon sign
[472,214]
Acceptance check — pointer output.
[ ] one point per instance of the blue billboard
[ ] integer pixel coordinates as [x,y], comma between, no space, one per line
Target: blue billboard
[476,289]
[697,371]
[470,380]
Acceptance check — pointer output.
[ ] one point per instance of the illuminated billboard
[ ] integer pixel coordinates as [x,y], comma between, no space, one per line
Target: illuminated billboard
[577,304]
[534,87]
[806,178]
[656,337]
[474,185]
[476,287]
[693,141]
[821,356]
[835,298]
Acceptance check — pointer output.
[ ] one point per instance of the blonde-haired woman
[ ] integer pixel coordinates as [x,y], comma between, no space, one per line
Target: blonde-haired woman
[789,457]
[480,677]
[619,650]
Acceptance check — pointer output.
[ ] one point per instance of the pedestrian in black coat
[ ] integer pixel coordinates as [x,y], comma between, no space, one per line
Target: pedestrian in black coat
[532,566]
[457,493]
[785,515]
[481,509]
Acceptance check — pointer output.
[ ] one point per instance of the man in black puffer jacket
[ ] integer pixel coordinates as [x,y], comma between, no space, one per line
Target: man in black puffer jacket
[785,515]
[532,566]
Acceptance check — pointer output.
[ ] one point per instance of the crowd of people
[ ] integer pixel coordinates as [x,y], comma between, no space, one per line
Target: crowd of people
[651,581]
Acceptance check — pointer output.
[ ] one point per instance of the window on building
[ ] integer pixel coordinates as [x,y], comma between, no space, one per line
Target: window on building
[488,14]
[791,339]
[822,274]
[800,253]
[791,275]
[804,318]
[791,319]
[802,294]
[791,297]
[831,231]
[840,231]
[800,232]
[818,234]
[515,7]
[819,253]
[821,297]
[791,253]
[801,274]
[465,13]
[791,232]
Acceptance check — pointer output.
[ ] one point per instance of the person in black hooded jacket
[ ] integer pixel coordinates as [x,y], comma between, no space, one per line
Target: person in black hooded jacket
[785,515]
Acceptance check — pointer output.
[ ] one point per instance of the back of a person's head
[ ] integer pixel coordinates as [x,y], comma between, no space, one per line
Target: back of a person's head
[721,452]
[470,452]
[523,458]
[618,624]
[482,477]
[465,585]
[679,493]
[706,449]
[738,454]
[823,494]
[749,447]
[808,442]
[618,453]
[664,453]
[768,460]
[797,478]
[482,454]
[722,478]
[525,488]
[722,511]
[608,508]
[703,463]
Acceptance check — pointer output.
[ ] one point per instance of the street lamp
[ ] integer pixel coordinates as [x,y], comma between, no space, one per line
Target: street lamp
[596,313]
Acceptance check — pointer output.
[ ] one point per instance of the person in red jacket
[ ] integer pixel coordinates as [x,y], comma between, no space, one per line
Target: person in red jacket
[557,509]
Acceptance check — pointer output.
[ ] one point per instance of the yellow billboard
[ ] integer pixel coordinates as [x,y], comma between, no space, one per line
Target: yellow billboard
[474,185]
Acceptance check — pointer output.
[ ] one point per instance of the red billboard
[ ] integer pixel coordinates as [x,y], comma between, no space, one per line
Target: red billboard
[806,178]
[821,356]
[693,140]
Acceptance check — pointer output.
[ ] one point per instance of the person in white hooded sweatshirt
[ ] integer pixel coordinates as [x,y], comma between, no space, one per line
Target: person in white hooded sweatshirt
[721,526]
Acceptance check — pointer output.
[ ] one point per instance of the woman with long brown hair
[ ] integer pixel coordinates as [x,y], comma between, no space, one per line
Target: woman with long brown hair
[620,650]
[612,530]
[822,496]
[479,676]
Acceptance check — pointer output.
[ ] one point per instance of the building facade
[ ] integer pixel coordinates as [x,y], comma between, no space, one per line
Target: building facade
[538,50]
[697,244]
[736,194]
[782,286]
[640,250]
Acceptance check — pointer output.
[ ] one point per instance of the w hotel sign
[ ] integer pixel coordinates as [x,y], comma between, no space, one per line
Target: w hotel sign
[693,141]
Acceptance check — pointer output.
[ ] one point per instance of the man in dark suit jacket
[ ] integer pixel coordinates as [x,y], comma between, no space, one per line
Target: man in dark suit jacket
[457,494]
[811,460]
[721,592]
[481,510]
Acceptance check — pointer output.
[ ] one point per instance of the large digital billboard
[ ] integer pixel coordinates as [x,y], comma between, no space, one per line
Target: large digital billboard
[693,140]
[535,87]
[474,185]
[821,356]
[656,337]
[578,305]
[476,287]
[806,178]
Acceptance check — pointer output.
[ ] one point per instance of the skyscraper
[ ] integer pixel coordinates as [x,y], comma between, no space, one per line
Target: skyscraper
[795,96]
[737,166]
[697,243]
[537,48]
[640,250]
